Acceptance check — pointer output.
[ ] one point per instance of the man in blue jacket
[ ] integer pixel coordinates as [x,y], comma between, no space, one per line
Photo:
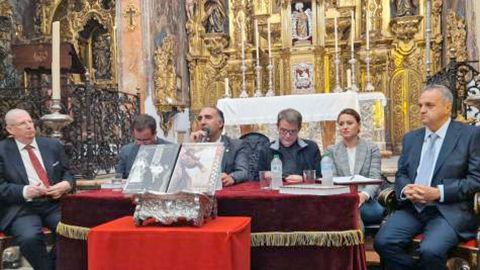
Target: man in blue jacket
[438,175]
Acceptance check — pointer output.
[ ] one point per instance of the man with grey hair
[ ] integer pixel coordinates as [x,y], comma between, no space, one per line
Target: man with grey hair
[34,174]
[296,154]
[438,175]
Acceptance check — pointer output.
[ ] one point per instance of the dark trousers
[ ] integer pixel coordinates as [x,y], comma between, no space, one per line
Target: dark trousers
[26,229]
[395,236]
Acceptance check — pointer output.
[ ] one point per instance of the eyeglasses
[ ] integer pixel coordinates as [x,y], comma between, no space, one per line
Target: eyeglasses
[290,132]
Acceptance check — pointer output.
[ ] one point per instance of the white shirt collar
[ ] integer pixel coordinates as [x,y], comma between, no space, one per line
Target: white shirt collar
[21,145]
[441,132]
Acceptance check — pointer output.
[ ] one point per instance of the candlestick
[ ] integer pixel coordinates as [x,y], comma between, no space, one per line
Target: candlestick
[352,32]
[258,68]
[428,38]
[243,67]
[349,79]
[56,60]
[270,91]
[368,28]
[337,88]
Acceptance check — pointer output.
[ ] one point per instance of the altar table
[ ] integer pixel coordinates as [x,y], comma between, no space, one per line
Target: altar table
[288,231]
[223,244]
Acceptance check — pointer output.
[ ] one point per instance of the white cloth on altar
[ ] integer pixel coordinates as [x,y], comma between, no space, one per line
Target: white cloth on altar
[313,107]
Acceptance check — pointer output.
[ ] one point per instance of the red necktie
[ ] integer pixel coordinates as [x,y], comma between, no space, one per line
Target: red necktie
[42,174]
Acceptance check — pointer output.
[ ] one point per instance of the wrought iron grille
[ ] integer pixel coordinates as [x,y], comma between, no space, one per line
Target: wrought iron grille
[102,122]
[464,81]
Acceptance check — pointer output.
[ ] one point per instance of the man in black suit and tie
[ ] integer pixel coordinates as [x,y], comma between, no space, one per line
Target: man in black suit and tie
[438,175]
[235,159]
[34,174]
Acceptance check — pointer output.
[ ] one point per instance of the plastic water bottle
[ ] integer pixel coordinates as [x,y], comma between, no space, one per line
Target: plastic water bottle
[276,171]
[327,170]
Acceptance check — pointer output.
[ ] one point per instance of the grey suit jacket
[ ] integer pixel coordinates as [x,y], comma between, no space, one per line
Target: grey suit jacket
[127,156]
[457,169]
[13,176]
[367,163]
[235,159]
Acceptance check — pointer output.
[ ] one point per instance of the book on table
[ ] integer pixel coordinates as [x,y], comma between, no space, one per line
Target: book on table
[353,179]
[313,189]
[171,168]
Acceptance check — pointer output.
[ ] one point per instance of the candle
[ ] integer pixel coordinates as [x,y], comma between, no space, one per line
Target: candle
[336,33]
[368,28]
[227,88]
[352,32]
[349,78]
[243,38]
[55,60]
[257,46]
[269,39]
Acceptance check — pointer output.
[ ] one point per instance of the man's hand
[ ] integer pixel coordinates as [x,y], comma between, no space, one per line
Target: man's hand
[56,191]
[35,191]
[227,180]
[421,193]
[294,178]
[362,198]
[197,135]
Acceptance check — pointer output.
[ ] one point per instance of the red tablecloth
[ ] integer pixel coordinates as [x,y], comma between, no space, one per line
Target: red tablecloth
[223,244]
[269,210]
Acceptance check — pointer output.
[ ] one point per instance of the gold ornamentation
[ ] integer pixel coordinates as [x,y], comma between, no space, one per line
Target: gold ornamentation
[456,37]
[406,27]
[5,9]
[131,13]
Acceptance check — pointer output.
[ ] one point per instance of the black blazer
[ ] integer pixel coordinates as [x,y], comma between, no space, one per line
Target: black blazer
[457,168]
[13,176]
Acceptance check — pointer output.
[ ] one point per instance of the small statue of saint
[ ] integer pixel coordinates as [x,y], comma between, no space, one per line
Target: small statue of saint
[302,22]
[405,8]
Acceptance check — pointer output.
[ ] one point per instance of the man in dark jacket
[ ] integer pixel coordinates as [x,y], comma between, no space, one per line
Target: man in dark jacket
[144,132]
[235,159]
[296,154]
[34,174]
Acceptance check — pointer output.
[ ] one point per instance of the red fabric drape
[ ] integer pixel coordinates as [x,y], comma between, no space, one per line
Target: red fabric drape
[269,211]
[223,244]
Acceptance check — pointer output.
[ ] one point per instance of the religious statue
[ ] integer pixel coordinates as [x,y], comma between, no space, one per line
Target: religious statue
[405,8]
[302,22]
[190,6]
[214,19]
[101,56]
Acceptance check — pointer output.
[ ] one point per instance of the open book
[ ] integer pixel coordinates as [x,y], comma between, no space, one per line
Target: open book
[170,168]
[313,189]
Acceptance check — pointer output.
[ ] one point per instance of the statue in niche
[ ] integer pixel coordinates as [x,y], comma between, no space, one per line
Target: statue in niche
[101,56]
[214,19]
[301,22]
[405,8]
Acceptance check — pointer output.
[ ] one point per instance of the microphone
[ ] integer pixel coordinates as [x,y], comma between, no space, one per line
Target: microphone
[206,137]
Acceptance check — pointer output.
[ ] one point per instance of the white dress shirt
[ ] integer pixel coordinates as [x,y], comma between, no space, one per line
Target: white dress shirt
[33,178]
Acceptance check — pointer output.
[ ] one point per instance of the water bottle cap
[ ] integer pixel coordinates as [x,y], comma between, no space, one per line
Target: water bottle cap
[276,156]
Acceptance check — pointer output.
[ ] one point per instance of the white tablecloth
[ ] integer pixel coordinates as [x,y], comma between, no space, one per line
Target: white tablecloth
[264,110]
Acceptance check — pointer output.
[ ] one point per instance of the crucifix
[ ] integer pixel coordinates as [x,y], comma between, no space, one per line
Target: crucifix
[130,13]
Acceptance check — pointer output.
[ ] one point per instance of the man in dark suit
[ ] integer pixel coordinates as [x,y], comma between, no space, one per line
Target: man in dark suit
[438,175]
[34,174]
[145,133]
[235,159]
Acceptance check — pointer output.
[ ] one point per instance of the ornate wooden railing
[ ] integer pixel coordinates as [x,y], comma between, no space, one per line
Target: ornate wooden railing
[102,122]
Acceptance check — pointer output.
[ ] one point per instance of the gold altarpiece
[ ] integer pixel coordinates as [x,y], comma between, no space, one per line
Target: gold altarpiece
[397,36]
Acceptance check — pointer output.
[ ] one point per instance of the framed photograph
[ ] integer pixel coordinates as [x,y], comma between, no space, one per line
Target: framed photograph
[152,168]
[198,168]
